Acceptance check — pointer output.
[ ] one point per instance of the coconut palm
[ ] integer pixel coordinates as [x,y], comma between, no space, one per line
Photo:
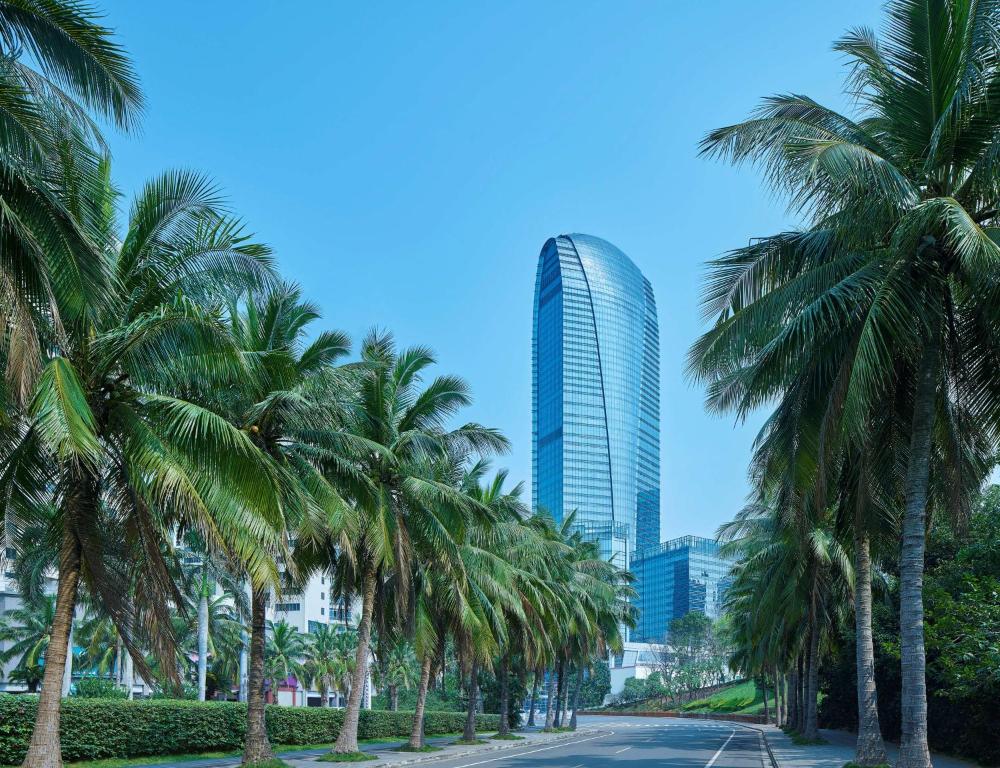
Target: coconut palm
[105,440]
[892,276]
[398,671]
[58,66]
[28,629]
[326,660]
[291,410]
[284,652]
[404,509]
[203,575]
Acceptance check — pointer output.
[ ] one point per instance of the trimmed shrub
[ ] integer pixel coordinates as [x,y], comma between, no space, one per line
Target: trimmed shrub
[101,728]
[98,688]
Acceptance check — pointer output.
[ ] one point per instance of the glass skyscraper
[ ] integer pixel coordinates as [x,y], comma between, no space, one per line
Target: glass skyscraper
[675,578]
[596,394]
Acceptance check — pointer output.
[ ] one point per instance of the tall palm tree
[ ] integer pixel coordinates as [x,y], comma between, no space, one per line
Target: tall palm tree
[203,574]
[58,66]
[285,652]
[404,425]
[893,273]
[326,659]
[398,671]
[105,439]
[290,410]
[28,629]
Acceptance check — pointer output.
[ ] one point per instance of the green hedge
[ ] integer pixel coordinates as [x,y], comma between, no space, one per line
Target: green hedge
[101,728]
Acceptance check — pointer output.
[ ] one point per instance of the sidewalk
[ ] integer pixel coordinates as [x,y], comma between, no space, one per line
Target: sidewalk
[387,754]
[838,750]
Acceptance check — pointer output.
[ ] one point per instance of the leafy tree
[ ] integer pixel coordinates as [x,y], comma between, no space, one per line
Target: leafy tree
[59,67]
[290,410]
[285,649]
[401,505]
[889,284]
[596,685]
[28,629]
[329,660]
[106,441]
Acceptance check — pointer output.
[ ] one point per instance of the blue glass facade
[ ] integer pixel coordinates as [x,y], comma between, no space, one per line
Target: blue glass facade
[675,578]
[596,394]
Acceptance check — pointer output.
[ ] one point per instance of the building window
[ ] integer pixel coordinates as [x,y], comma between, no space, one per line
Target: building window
[322,611]
[287,607]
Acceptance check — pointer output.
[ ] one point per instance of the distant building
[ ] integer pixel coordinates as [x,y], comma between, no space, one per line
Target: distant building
[675,578]
[638,660]
[596,394]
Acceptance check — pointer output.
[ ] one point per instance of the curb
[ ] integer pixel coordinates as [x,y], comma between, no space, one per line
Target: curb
[485,748]
[763,736]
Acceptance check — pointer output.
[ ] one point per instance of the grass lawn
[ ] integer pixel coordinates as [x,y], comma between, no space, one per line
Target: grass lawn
[130,762]
[741,699]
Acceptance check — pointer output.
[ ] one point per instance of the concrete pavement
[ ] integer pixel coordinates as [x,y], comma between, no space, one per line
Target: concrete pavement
[838,750]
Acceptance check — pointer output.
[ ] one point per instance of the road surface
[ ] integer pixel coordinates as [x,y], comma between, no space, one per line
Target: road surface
[634,742]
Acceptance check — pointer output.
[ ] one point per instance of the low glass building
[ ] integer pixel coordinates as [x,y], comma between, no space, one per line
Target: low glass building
[596,394]
[675,578]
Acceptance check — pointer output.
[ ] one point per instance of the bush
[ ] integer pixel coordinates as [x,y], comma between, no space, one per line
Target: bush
[106,728]
[98,688]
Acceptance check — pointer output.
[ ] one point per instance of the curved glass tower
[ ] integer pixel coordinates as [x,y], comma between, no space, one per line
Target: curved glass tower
[596,394]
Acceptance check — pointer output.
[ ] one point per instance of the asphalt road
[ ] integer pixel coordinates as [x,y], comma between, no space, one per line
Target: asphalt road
[633,743]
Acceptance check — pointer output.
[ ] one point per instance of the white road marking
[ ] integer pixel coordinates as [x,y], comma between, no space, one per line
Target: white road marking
[623,749]
[716,755]
[540,749]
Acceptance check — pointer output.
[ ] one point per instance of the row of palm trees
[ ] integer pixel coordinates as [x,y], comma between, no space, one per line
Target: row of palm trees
[160,381]
[873,332]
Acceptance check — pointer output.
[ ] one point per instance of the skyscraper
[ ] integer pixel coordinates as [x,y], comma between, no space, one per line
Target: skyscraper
[596,394]
[675,578]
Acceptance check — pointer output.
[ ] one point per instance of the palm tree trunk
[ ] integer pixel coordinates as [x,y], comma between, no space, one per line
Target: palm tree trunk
[128,675]
[534,698]
[202,640]
[560,684]
[244,649]
[576,696]
[469,734]
[347,739]
[763,687]
[811,730]
[870,749]
[793,684]
[257,748]
[550,696]
[779,699]
[67,680]
[326,696]
[798,724]
[417,732]
[45,749]
[504,727]
[565,701]
[913,750]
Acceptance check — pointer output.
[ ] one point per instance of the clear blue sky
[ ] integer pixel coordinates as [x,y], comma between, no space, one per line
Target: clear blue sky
[407,161]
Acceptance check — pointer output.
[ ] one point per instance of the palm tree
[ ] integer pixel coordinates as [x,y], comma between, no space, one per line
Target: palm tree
[326,660]
[48,262]
[107,442]
[203,574]
[403,506]
[291,410]
[28,629]
[284,653]
[892,277]
[398,669]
